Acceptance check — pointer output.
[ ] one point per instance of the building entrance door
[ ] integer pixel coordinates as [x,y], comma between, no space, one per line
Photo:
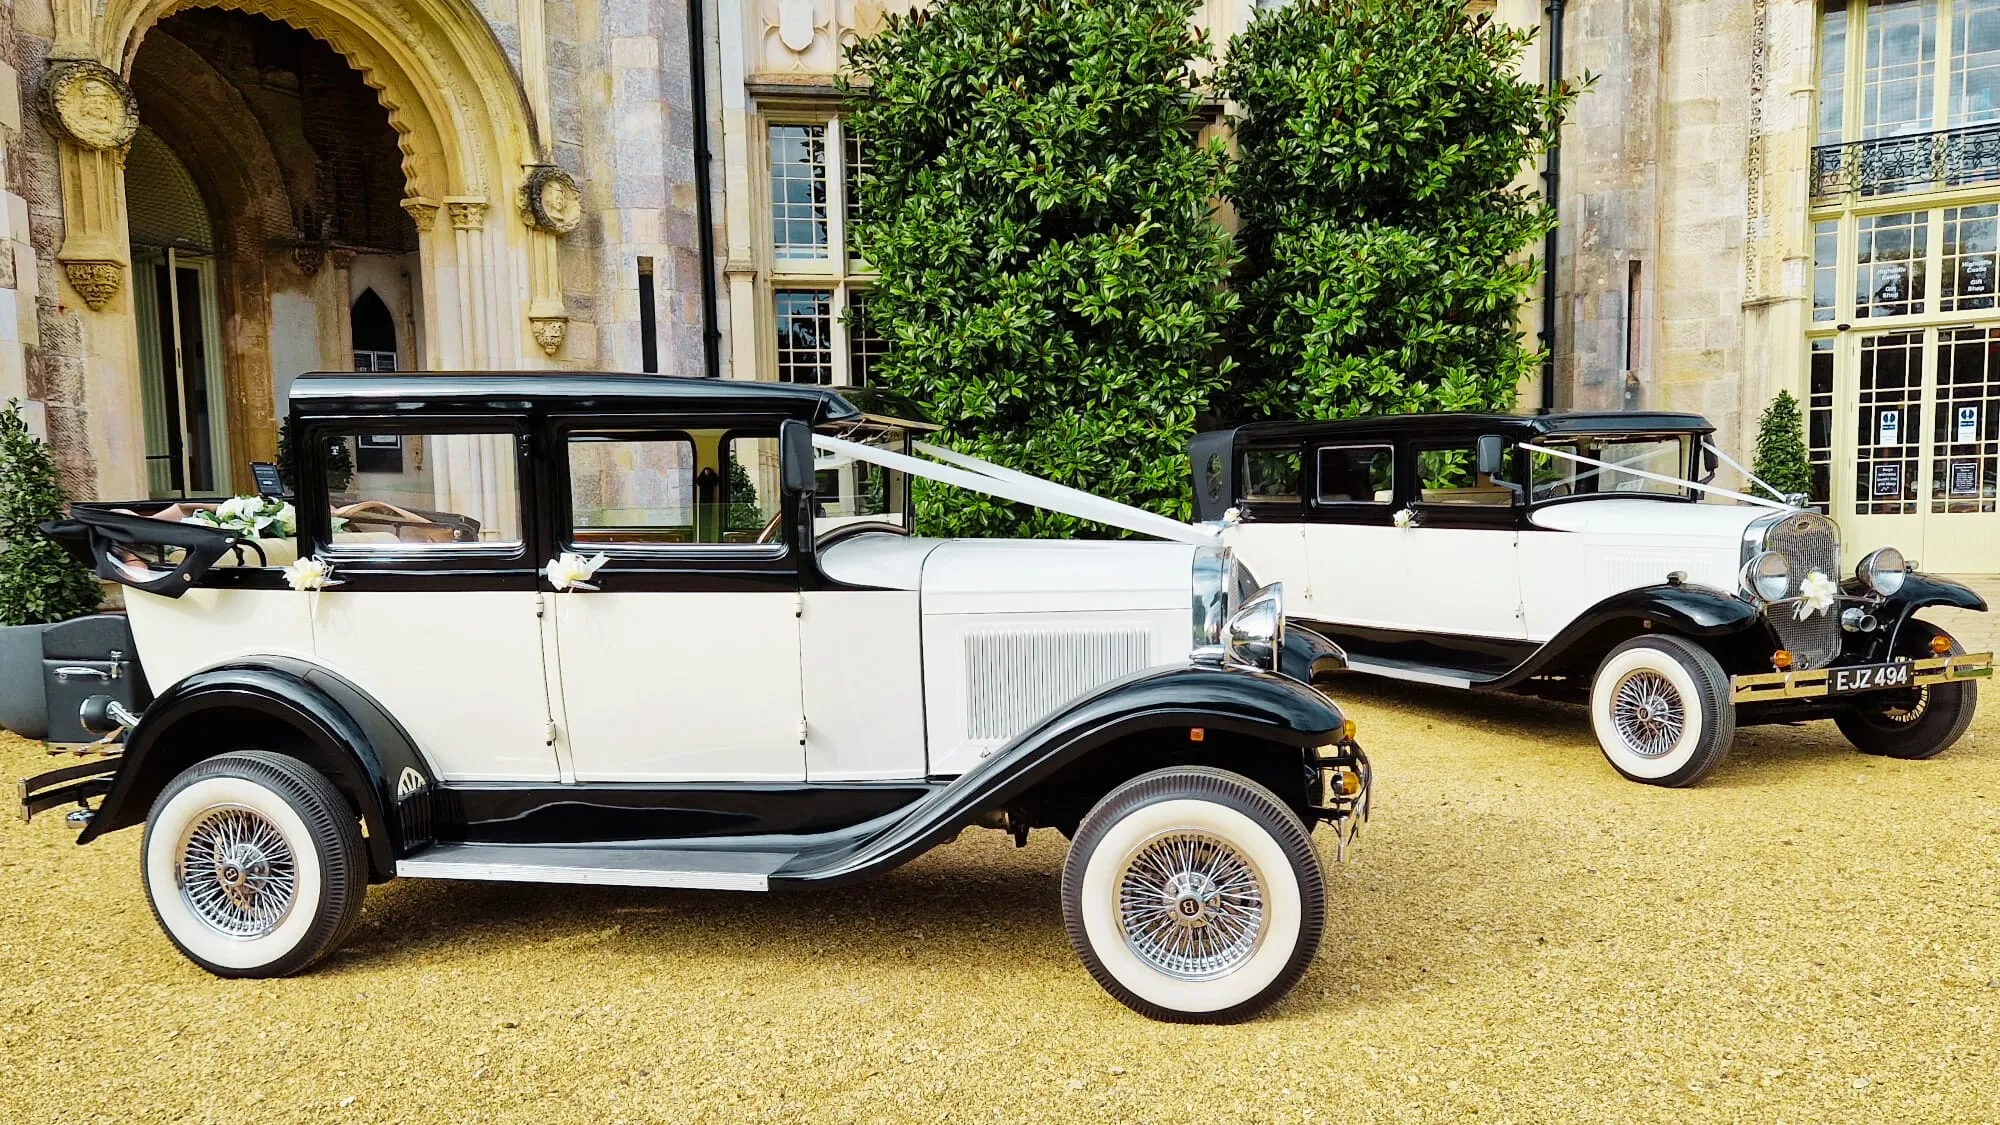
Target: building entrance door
[1923,429]
[187,432]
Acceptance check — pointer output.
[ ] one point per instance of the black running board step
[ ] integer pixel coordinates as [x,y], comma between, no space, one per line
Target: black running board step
[596,866]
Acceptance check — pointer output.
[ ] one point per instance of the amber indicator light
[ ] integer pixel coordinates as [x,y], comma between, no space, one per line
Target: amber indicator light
[1781,660]
[1196,734]
[1941,645]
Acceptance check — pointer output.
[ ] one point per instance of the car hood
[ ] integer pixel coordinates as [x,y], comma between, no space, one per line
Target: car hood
[1018,575]
[1665,520]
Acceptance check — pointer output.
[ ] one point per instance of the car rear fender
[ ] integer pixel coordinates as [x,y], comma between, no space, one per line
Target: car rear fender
[289,706]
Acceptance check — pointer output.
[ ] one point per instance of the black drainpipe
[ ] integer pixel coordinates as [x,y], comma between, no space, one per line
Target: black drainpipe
[711,331]
[1551,190]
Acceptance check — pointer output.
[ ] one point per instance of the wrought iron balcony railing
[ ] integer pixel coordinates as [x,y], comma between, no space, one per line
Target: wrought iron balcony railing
[1913,162]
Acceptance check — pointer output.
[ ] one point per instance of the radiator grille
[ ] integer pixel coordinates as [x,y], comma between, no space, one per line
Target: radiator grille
[1808,542]
[1014,677]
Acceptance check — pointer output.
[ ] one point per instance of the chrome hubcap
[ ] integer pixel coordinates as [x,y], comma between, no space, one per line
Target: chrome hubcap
[236,873]
[1191,906]
[1646,708]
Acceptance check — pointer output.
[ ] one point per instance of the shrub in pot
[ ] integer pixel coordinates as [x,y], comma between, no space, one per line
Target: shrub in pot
[40,582]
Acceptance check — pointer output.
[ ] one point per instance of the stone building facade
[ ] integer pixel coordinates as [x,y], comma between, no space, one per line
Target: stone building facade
[1767,195]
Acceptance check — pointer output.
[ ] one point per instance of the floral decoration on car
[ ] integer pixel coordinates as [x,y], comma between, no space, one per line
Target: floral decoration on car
[250,515]
[571,571]
[310,573]
[1816,595]
[1405,518]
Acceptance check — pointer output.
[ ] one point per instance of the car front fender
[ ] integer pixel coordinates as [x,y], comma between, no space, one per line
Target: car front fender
[1265,706]
[289,706]
[1680,608]
[1920,591]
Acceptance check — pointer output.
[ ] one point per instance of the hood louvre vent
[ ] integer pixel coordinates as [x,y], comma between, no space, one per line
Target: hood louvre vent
[1017,676]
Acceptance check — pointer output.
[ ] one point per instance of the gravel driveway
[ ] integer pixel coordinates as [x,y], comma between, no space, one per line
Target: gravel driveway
[1812,935]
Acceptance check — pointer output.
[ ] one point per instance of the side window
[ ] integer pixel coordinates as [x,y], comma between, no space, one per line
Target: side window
[1357,474]
[399,490]
[672,488]
[1449,475]
[1271,475]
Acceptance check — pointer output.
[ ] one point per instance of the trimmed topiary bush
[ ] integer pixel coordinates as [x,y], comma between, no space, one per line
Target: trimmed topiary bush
[40,581]
[1782,461]
[1381,223]
[1040,212]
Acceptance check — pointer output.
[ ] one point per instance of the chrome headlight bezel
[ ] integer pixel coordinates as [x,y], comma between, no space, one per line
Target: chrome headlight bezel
[1254,636]
[1221,585]
[1883,570]
[1761,572]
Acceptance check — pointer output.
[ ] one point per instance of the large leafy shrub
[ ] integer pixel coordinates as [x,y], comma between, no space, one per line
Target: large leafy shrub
[39,580]
[1052,280]
[1381,224]
[1781,459]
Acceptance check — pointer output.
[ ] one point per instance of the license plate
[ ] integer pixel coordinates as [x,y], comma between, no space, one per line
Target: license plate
[1869,677]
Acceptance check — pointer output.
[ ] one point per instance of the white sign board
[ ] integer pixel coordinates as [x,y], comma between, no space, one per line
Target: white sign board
[1968,423]
[1889,427]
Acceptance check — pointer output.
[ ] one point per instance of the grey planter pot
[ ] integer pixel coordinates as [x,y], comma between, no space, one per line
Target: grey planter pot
[24,709]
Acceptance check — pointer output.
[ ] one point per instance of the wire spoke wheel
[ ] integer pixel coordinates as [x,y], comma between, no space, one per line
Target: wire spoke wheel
[236,872]
[1191,905]
[1648,713]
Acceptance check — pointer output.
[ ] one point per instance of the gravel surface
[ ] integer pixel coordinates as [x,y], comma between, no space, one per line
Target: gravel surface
[1810,936]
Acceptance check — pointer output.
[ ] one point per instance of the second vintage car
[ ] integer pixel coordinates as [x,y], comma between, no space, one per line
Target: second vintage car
[660,632]
[1571,555]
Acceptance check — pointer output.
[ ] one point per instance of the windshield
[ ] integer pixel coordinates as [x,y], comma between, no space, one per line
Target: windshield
[1558,477]
[850,491]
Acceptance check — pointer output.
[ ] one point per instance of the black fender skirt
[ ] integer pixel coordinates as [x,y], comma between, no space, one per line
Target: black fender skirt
[331,724]
[1685,609]
[1264,705]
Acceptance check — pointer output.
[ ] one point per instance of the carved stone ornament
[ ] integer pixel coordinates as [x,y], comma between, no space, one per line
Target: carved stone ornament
[549,332]
[309,256]
[88,103]
[551,201]
[422,212]
[796,24]
[466,214]
[95,282]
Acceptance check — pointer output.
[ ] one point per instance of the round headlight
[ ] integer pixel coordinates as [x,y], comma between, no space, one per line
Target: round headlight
[1768,576]
[1883,570]
[1255,634]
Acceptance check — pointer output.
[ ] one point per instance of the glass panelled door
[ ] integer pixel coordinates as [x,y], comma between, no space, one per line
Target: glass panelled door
[1924,425]
[181,375]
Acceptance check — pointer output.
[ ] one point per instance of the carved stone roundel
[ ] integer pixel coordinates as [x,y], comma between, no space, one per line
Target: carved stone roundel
[552,200]
[89,103]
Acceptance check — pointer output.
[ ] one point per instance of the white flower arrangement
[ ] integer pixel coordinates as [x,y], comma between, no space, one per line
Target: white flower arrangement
[571,571]
[251,516]
[1404,517]
[1816,595]
[310,573]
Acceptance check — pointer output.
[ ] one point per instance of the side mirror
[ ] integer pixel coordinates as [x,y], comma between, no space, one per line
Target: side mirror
[1709,462]
[795,453]
[1492,455]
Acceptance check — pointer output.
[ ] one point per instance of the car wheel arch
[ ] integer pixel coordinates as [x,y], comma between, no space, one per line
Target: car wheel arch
[283,706]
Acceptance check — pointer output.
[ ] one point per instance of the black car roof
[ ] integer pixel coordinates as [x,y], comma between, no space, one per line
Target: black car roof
[347,393]
[1456,425]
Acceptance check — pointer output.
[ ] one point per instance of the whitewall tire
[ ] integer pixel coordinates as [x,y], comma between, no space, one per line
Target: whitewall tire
[253,864]
[1660,707]
[1194,895]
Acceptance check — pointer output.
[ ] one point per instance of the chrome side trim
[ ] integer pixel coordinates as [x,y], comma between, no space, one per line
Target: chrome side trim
[1813,683]
[1394,672]
[598,867]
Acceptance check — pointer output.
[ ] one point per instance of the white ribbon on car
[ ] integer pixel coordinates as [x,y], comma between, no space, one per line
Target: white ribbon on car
[1580,459]
[1007,484]
[1753,478]
[571,571]
[1817,593]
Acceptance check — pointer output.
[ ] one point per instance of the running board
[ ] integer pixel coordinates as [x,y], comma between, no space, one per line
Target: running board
[596,866]
[1414,673]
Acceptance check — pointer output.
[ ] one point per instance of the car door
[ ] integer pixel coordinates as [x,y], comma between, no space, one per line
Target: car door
[682,664]
[435,611]
[1457,564]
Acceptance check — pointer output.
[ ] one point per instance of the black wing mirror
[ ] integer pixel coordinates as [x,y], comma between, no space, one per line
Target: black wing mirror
[795,452]
[1490,459]
[1709,462]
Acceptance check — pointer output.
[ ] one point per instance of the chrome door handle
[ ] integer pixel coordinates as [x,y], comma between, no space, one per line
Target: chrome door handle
[63,674]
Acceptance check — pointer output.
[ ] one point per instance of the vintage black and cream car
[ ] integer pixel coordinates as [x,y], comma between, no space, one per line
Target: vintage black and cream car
[1573,555]
[661,632]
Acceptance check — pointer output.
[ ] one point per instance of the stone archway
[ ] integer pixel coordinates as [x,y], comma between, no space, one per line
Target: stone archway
[487,206]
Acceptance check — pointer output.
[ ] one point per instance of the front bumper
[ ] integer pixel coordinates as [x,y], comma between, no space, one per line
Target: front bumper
[1816,683]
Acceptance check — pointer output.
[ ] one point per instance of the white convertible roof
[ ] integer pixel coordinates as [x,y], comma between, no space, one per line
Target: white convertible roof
[994,480]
